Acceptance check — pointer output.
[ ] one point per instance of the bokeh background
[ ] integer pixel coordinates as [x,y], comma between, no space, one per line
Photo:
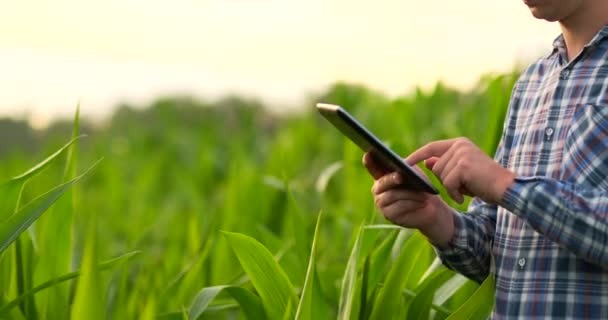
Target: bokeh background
[55,53]
[203,113]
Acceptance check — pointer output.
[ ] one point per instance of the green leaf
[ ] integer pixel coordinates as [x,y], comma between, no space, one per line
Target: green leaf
[420,306]
[423,265]
[298,227]
[378,266]
[13,314]
[89,299]
[450,288]
[305,307]
[268,278]
[387,303]
[22,219]
[54,238]
[287,314]
[479,305]
[326,175]
[349,305]
[9,190]
[250,304]
[63,278]
[348,294]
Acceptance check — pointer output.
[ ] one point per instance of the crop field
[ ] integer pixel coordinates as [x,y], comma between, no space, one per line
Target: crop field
[190,209]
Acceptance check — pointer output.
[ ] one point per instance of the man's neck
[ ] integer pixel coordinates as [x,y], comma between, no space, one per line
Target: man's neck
[580,27]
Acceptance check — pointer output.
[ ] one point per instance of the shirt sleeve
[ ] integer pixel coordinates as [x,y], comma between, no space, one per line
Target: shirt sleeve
[469,251]
[568,214]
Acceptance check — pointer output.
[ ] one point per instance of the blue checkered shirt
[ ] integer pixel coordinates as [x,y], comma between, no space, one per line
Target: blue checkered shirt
[547,241]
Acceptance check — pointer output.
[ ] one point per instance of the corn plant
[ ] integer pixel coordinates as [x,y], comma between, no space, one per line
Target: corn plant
[221,204]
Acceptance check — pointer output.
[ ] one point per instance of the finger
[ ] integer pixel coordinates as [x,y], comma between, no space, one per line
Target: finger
[430,162]
[402,211]
[386,182]
[440,169]
[415,167]
[389,197]
[433,149]
[373,167]
[453,185]
[419,171]
[453,165]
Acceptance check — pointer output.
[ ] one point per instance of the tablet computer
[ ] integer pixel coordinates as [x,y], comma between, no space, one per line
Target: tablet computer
[368,142]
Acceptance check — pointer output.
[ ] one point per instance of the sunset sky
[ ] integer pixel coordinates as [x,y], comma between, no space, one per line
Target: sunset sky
[55,53]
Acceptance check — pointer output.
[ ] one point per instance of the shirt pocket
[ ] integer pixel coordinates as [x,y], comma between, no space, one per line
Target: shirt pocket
[586,147]
[539,138]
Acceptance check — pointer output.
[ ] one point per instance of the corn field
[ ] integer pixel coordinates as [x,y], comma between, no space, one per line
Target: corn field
[190,209]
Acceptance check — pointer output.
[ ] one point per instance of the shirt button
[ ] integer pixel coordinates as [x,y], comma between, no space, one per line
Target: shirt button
[521,263]
[549,133]
[564,74]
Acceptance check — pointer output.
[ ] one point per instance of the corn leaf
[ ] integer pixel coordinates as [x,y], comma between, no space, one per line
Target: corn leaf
[288,313]
[9,190]
[305,307]
[22,219]
[378,266]
[63,278]
[250,304]
[350,300]
[420,306]
[89,299]
[479,305]
[54,235]
[387,303]
[268,278]
[347,295]
[448,289]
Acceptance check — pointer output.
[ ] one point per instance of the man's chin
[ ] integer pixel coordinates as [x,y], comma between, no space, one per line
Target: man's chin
[541,14]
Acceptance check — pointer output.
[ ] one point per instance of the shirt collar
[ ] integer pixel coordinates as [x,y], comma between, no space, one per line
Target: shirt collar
[559,44]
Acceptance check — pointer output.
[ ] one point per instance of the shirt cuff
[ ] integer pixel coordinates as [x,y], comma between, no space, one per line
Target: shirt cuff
[456,245]
[516,197]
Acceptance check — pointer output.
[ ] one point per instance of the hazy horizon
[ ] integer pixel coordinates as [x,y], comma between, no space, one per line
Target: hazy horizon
[103,52]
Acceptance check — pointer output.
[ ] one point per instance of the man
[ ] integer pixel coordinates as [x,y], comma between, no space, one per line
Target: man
[539,218]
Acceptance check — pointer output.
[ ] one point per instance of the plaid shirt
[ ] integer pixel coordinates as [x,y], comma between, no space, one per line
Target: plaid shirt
[548,237]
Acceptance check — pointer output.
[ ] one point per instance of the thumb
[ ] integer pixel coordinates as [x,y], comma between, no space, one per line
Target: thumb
[373,167]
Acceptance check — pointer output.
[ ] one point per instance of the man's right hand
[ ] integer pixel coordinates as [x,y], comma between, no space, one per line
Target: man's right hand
[410,209]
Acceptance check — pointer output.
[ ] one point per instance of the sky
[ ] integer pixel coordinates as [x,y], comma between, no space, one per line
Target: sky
[54,54]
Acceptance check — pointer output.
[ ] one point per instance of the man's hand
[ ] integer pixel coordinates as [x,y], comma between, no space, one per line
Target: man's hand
[464,169]
[410,209]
